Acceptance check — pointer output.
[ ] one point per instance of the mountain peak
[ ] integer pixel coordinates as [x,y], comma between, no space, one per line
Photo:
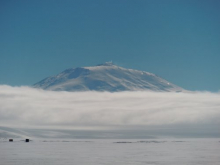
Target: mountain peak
[110,63]
[106,77]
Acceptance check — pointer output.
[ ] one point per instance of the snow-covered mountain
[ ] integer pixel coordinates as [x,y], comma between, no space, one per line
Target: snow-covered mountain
[106,77]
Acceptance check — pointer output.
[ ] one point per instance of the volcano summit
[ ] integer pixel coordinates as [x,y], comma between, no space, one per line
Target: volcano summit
[106,77]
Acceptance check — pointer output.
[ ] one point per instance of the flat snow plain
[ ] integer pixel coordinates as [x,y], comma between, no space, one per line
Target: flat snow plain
[111,152]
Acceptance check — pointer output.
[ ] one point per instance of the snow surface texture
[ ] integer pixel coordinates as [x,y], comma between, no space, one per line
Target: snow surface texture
[111,152]
[106,77]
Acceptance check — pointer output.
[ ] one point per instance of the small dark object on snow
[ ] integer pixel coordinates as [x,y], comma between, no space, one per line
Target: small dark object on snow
[27,140]
[10,140]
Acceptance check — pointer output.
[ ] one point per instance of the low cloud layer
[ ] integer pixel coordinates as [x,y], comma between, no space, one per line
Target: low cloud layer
[28,107]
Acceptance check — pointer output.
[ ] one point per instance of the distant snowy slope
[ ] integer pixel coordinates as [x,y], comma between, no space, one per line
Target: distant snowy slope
[106,77]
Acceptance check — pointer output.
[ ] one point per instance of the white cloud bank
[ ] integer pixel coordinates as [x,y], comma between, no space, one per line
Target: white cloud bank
[28,107]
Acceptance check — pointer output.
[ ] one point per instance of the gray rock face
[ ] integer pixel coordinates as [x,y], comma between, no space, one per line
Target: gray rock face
[106,77]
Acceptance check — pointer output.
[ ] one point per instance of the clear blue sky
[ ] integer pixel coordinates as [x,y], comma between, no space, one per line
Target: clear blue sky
[179,40]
